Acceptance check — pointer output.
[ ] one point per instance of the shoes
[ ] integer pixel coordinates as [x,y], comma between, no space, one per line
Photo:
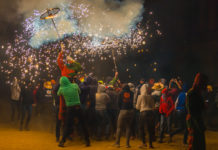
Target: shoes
[161,141]
[88,143]
[151,146]
[61,144]
[116,145]
[143,146]
[128,146]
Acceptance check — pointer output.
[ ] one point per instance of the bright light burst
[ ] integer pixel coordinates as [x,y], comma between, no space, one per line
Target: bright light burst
[28,63]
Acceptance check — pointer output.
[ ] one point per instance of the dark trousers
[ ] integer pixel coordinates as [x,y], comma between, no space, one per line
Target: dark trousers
[72,113]
[15,107]
[135,122]
[58,123]
[165,123]
[124,121]
[181,118]
[147,122]
[196,134]
[25,109]
[113,114]
[102,123]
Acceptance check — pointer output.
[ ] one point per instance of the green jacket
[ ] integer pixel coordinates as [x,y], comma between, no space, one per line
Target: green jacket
[113,81]
[70,92]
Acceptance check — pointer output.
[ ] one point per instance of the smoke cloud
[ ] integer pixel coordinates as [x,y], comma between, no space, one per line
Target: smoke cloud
[96,18]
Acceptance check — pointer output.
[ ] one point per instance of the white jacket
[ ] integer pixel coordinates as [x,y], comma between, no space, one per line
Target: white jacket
[144,102]
[15,90]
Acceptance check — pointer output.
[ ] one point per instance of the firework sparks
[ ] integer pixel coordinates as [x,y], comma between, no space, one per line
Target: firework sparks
[27,63]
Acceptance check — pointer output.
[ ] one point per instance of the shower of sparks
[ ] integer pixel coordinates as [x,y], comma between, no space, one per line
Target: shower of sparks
[32,64]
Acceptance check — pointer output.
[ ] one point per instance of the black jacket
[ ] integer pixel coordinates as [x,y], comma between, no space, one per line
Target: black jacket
[126,98]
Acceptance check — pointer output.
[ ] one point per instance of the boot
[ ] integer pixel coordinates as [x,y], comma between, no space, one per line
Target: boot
[61,144]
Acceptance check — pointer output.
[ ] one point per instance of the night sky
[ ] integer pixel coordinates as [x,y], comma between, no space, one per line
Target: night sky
[189,43]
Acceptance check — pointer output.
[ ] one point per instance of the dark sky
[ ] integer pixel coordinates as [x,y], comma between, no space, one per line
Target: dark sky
[189,44]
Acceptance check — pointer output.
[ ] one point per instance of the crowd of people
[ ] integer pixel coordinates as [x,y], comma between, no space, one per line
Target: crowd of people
[102,110]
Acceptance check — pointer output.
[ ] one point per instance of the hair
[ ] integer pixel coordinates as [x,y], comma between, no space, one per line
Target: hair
[200,81]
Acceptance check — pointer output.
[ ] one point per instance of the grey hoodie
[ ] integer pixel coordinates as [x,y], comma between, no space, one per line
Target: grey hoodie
[15,90]
[144,102]
[102,98]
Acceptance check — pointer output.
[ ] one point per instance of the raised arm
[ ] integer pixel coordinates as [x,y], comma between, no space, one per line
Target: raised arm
[60,57]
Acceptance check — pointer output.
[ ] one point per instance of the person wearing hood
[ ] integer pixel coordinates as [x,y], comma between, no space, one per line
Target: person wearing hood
[70,92]
[165,109]
[137,91]
[180,111]
[145,104]
[15,98]
[194,119]
[126,114]
[101,101]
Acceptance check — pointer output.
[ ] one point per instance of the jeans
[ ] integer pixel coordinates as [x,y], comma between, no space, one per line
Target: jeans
[181,118]
[165,122]
[124,121]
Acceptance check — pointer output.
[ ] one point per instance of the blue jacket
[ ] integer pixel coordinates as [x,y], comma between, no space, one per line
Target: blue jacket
[180,102]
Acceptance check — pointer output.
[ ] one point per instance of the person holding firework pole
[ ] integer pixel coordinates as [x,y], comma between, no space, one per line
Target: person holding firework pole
[71,68]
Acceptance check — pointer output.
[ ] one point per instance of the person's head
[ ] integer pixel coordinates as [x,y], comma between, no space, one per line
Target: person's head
[64,81]
[151,81]
[163,81]
[125,87]
[70,60]
[142,81]
[200,82]
[101,88]
[131,86]
[184,88]
[144,90]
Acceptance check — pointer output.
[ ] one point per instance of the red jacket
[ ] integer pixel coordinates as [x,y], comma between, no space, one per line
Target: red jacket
[64,70]
[166,103]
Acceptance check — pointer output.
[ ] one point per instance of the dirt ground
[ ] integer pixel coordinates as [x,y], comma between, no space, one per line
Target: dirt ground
[43,138]
[13,139]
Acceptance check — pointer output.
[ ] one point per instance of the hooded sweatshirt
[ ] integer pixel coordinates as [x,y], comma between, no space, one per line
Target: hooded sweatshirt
[166,103]
[102,98]
[70,92]
[145,102]
[126,99]
[15,90]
